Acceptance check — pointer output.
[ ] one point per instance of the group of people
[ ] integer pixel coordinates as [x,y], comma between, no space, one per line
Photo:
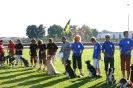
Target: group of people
[49,51]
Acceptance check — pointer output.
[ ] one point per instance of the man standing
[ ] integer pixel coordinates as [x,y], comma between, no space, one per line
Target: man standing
[65,48]
[125,47]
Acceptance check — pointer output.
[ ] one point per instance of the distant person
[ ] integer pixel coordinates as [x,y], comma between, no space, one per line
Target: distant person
[11,48]
[42,54]
[51,50]
[96,56]
[19,52]
[108,49]
[77,48]
[33,53]
[125,47]
[1,52]
[65,48]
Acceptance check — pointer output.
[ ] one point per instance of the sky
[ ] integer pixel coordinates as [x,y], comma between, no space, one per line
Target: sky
[112,15]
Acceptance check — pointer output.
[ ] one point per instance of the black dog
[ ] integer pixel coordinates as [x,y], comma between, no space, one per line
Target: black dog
[70,71]
[11,61]
[6,58]
[131,78]
[91,69]
[26,63]
[110,76]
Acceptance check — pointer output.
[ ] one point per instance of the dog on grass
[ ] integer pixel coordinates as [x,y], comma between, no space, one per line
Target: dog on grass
[70,71]
[6,58]
[50,67]
[123,83]
[91,69]
[25,62]
[110,76]
[131,78]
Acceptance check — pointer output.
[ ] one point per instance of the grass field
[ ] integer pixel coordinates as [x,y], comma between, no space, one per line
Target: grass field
[18,77]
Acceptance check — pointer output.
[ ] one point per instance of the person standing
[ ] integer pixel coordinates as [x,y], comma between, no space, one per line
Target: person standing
[125,47]
[65,48]
[96,56]
[42,54]
[33,53]
[77,48]
[108,49]
[1,52]
[18,52]
[11,51]
[52,49]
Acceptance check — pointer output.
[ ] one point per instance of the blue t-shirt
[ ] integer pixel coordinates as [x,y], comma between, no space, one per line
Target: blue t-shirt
[66,53]
[125,45]
[77,47]
[97,50]
[108,47]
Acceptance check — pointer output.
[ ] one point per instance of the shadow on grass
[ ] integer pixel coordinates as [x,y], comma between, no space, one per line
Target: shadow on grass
[14,75]
[51,83]
[37,80]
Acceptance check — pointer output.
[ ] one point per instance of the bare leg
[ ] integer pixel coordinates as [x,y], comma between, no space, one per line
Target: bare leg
[123,74]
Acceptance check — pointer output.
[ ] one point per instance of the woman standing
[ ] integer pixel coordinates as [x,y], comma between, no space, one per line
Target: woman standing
[125,47]
[77,48]
[42,54]
[1,52]
[18,53]
[33,53]
[108,50]
[11,51]
[52,49]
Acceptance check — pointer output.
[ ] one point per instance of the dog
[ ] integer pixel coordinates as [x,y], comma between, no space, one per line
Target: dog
[25,62]
[69,70]
[91,69]
[123,83]
[110,76]
[50,67]
[11,61]
[131,78]
[6,58]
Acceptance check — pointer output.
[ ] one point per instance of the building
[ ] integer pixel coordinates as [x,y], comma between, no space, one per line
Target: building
[114,35]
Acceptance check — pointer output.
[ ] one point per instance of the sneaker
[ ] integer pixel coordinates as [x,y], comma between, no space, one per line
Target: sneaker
[99,76]
[81,74]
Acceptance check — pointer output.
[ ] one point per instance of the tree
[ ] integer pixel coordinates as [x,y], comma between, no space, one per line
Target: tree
[105,31]
[94,32]
[55,31]
[33,31]
[88,32]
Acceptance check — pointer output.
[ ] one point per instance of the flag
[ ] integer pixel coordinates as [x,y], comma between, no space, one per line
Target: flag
[67,27]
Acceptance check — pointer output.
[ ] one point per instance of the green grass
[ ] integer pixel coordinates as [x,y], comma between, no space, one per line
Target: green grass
[18,77]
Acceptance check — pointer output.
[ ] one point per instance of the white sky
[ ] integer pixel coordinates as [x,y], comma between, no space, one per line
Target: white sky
[16,15]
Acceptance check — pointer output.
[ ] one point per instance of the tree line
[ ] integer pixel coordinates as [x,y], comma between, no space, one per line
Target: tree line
[33,31]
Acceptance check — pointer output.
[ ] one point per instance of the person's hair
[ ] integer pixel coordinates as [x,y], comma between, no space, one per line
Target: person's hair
[50,40]
[77,38]
[33,40]
[19,40]
[40,42]
[93,39]
[107,35]
[11,41]
[125,32]
[1,41]
[63,37]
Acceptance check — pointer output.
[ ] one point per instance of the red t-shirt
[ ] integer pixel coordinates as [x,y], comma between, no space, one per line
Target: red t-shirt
[11,47]
[1,49]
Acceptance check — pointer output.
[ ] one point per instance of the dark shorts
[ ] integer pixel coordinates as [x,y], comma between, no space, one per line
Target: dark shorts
[42,57]
[108,61]
[77,60]
[125,63]
[1,57]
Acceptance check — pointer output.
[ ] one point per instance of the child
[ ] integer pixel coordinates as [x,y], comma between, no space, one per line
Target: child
[1,52]
[33,52]
[96,56]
